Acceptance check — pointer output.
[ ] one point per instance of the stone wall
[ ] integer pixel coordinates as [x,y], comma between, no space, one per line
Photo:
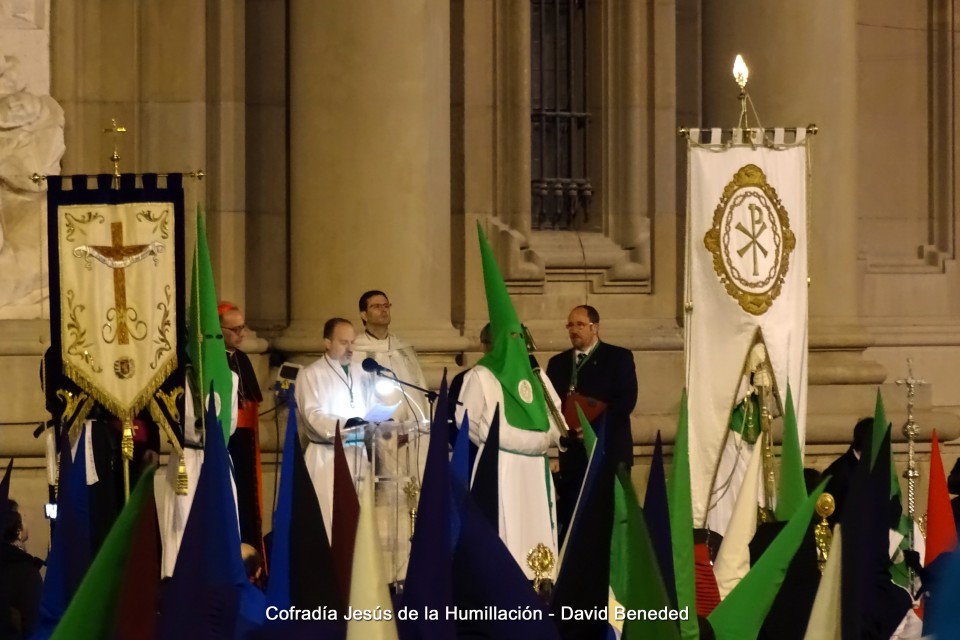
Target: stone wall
[333,169]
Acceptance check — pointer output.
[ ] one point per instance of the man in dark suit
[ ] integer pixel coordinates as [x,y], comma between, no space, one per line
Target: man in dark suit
[598,375]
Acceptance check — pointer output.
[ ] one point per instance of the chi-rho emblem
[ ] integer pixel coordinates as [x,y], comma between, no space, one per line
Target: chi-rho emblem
[751,240]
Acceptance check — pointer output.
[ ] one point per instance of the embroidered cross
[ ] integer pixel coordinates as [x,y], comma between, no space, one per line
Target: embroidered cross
[119,258]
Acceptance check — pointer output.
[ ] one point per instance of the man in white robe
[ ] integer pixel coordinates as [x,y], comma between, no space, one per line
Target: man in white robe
[332,390]
[399,460]
[173,510]
[394,353]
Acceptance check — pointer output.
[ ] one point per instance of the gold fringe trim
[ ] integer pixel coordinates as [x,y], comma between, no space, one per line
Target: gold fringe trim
[79,418]
[108,401]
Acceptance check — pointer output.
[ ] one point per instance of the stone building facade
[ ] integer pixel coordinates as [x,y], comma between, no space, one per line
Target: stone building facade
[355,144]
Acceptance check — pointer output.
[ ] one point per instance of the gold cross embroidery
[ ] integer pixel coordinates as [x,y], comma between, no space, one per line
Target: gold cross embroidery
[117,252]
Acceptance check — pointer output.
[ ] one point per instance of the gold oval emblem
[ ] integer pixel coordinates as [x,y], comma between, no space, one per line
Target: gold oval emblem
[751,240]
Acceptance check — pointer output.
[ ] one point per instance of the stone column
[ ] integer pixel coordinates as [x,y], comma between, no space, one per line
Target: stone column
[226,147]
[512,29]
[803,61]
[369,165]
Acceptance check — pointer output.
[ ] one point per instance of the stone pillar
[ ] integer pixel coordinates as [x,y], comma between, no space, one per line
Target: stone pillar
[226,147]
[802,58]
[369,165]
[512,29]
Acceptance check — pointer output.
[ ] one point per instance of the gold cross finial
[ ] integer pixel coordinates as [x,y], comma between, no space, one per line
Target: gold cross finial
[911,384]
[115,130]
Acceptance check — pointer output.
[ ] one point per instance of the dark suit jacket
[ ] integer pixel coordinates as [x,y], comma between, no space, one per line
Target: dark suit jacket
[611,376]
[841,473]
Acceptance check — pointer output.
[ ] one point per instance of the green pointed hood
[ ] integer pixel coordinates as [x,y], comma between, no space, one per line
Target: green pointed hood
[92,612]
[742,612]
[881,428]
[681,526]
[589,435]
[205,346]
[524,406]
[792,490]
[642,582]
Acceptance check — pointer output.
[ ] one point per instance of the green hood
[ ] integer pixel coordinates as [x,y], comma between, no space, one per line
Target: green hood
[524,406]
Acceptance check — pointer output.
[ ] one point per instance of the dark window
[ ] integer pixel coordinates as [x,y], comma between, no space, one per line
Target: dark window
[560,118]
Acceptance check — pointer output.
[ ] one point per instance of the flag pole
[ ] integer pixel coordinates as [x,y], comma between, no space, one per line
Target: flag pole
[126,451]
[198,366]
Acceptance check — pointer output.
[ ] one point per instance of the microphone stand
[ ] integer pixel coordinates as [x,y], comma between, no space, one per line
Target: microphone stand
[431,395]
[412,487]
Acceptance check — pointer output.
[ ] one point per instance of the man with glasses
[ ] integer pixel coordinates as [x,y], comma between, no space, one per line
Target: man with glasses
[602,379]
[399,459]
[388,350]
[244,445]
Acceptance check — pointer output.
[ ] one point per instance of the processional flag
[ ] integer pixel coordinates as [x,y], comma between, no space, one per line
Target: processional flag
[116,301]
[746,295]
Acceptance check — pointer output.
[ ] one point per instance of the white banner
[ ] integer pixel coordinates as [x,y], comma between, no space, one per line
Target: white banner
[118,300]
[746,281]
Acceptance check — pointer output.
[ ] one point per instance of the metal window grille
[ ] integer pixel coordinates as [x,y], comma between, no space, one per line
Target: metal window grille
[561,186]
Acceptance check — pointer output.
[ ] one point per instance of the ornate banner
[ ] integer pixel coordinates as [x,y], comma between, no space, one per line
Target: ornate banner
[746,301]
[116,300]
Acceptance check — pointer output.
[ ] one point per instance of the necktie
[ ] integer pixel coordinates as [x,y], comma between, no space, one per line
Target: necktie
[580,358]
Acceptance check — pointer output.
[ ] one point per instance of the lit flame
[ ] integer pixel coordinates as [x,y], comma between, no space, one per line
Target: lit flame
[740,71]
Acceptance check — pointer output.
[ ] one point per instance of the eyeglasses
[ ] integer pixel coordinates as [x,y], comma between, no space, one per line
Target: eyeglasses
[240,328]
[377,307]
[578,325]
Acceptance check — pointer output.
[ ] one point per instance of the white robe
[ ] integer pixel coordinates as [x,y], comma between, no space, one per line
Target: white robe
[396,466]
[173,510]
[323,399]
[528,511]
[401,358]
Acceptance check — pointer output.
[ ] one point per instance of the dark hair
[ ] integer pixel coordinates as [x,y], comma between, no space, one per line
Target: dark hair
[370,294]
[592,314]
[12,522]
[330,325]
[485,337]
[861,433]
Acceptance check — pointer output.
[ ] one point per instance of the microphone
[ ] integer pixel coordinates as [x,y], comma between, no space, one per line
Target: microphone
[372,366]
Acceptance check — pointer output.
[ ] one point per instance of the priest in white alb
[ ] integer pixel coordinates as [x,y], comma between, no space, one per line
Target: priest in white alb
[333,390]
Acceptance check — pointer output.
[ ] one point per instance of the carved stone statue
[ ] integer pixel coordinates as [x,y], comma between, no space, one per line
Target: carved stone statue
[31,141]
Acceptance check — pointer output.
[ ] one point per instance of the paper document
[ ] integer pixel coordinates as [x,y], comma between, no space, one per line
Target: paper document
[380,412]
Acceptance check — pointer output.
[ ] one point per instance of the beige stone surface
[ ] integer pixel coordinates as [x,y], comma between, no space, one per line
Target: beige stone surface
[370,118]
[404,124]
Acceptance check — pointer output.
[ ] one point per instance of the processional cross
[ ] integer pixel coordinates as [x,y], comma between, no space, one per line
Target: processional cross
[911,431]
[115,129]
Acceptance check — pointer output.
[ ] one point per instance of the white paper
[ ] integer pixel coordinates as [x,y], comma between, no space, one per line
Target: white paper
[380,412]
